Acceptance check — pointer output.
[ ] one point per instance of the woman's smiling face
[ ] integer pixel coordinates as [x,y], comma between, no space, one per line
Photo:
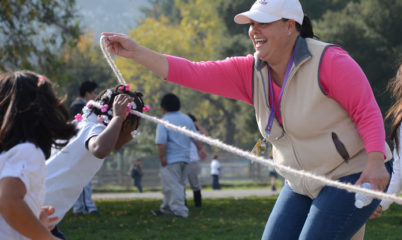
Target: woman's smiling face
[269,39]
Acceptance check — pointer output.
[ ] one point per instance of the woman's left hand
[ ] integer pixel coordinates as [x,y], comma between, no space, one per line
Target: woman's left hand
[375,172]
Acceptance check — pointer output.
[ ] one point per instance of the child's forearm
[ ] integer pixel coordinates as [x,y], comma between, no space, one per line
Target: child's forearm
[17,213]
[101,145]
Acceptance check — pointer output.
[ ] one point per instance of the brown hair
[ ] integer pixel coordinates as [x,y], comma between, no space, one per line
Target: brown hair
[395,112]
[31,112]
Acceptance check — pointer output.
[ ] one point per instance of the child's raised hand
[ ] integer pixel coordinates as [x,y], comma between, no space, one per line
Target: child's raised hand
[45,218]
[120,105]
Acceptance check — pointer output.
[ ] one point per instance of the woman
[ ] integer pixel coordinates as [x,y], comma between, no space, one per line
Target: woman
[330,126]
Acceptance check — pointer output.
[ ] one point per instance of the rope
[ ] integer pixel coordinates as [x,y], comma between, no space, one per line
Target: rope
[109,59]
[217,143]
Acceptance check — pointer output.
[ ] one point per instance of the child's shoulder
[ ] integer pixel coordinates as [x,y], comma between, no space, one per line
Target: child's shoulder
[23,154]
[26,149]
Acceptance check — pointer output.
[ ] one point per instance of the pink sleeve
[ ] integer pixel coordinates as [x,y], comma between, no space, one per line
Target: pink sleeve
[344,81]
[231,78]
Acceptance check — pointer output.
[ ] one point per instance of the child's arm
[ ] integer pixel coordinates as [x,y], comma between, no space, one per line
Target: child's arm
[162,154]
[100,146]
[202,130]
[17,213]
[201,152]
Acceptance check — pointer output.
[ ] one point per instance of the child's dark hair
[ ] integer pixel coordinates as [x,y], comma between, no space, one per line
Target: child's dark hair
[106,98]
[170,102]
[87,86]
[31,112]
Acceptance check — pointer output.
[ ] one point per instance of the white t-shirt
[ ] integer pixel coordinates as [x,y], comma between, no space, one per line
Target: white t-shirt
[215,165]
[395,184]
[73,167]
[26,162]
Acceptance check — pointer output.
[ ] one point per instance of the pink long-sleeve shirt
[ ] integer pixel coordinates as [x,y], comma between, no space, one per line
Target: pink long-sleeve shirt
[341,78]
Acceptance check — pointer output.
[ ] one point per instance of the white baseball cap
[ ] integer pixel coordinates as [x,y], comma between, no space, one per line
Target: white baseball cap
[266,11]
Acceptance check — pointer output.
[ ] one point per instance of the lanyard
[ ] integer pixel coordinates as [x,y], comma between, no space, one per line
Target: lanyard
[271,94]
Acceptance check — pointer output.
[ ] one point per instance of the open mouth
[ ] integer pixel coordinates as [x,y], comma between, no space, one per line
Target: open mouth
[259,42]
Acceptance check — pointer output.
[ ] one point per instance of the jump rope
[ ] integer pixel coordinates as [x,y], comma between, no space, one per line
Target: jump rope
[253,158]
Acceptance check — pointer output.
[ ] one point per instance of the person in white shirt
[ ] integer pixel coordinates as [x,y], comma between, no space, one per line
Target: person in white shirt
[106,124]
[395,113]
[215,169]
[32,118]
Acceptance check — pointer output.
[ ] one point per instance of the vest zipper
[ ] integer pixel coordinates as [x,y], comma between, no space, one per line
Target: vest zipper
[292,73]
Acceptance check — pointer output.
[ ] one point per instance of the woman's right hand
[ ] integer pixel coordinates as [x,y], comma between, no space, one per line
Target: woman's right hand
[124,46]
[120,44]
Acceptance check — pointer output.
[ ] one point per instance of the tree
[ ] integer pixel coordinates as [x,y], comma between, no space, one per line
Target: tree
[32,33]
[198,36]
[372,37]
[84,62]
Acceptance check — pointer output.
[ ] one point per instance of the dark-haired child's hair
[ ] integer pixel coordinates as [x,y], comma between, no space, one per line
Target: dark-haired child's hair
[106,97]
[87,87]
[170,102]
[31,112]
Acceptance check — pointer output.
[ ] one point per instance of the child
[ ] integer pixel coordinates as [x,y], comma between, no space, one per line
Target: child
[106,124]
[31,119]
[395,184]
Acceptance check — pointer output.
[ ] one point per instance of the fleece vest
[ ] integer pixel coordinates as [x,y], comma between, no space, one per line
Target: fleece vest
[317,134]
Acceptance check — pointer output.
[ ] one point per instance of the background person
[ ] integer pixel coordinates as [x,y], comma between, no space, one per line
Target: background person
[313,103]
[87,91]
[273,175]
[194,167]
[136,174]
[84,204]
[215,170]
[174,155]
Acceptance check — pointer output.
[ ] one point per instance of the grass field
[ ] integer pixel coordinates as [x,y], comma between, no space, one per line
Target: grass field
[223,219]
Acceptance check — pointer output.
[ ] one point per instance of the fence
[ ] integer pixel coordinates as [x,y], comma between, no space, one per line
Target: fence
[232,169]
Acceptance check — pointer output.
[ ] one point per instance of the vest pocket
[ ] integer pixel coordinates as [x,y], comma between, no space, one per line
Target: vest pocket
[340,147]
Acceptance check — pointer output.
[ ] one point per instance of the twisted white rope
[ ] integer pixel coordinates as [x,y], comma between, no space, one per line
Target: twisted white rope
[109,59]
[217,143]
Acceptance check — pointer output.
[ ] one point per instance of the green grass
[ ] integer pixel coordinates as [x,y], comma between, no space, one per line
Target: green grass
[223,219]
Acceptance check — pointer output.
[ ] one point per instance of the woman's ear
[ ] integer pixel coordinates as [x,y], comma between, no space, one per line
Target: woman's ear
[291,26]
